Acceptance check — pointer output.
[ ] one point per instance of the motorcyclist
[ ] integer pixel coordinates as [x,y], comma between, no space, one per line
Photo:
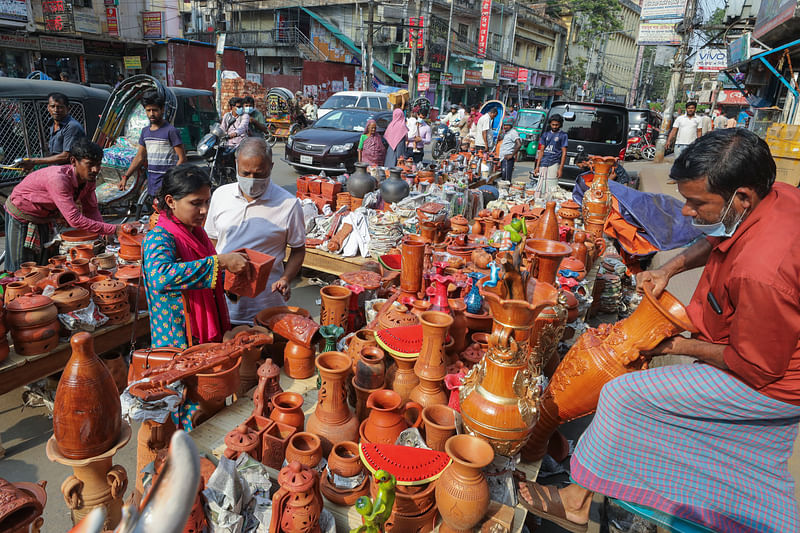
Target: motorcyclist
[452,120]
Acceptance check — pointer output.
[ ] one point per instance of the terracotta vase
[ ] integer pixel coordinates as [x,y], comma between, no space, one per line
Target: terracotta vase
[413,257]
[440,425]
[269,384]
[360,340]
[404,380]
[301,333]
[305,448]
[548,224]
[297,504]
[500,396]
[601,355]
[287,408]
[597,200]
[118,368]
[152,438]
[334,305]
[579,249]
[332,421]
[370,369]
[387,418]
[431,365]
[395,188]
[462,491]
[248,377]
[458,330]
[86,412]
[19,508]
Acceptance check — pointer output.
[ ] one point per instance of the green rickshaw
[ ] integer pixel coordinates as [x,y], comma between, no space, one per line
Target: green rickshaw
[529,124]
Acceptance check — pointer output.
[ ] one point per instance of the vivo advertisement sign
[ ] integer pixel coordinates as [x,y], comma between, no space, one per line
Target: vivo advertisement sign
[711,60]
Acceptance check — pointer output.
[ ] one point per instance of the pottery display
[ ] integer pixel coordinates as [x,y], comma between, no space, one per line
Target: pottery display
[297,504]
[131,276]
[287,408]
[431,364]
[413,258]
[344,467]
[69,299]
[335,300]
[370,368]
[547,228]
[86,411]
[33,322]
[597,200]
[396,316]
[269,384]
[387,418]
[14,290]
[104,261]
[248,377]
[568,212]
[395,188]
[305,448]
[600,355]
[20,506]
[301,333]
[360,182]
[462,491]
[439,422]
[83,251]
[458,329]
[360,340]
[332,419]
[403,379]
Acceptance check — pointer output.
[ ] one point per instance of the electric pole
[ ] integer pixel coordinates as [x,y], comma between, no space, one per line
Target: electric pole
[368,70]
[412,62]
[446,89]
[676,83]
[637,78]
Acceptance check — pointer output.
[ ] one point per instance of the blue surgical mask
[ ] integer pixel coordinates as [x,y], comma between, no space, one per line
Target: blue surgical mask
[718,229]
[238,110]
[248,109]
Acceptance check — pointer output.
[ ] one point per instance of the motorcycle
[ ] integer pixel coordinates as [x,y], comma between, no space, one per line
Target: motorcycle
[445,142]
[640,144]
[221,160]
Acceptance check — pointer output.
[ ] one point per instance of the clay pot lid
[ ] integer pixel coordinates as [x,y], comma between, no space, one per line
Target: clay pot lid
[547,248]
[573,264]
[411,466]
[241,438]
[459,220]
[296,477]
[29,302]
[570,204]
[108,285]
[128,272]
[269,369]
[398,316]
[78,235]
[403,342]
[69,294]
[362,278]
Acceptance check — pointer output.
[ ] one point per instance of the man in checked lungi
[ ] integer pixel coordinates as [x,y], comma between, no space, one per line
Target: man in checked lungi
[709,442]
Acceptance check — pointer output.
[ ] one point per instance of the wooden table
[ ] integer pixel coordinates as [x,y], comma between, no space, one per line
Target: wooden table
[332,263]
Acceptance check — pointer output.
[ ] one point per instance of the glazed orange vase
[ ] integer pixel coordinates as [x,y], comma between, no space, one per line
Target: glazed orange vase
[601,355]
[430,367]
[500,396]
[597,200]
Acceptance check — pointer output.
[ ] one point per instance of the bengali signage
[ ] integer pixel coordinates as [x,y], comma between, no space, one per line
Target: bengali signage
[104,48]
[739,50]
[112,21]
[522,75]
[57,15]
[19,41]
[658,33]
[711,60]
[483,30]
[663,9]
[16,10]
[423,81]
[471,77]
[418,29]
[487,72]
[132,62]
[86,21]
[731,97]
[61,44]
[446,78]
[152,24]
[508,72]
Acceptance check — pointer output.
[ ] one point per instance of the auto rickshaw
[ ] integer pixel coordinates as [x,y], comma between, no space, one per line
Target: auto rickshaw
[279,118]
[529,123]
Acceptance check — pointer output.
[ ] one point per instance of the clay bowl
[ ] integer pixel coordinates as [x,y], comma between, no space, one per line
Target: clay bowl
[78,235]
[58,261]
[262,318]
[482,339]
[30,310]
[344,459]
[305,448]
[481,322]
[217,384]
[411,500]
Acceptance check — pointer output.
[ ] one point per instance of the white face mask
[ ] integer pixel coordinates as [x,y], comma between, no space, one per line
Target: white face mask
[252,187]
[718,229]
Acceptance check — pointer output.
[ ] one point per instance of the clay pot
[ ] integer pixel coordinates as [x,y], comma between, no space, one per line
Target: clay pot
[14,290]
[305,448]
[297,504]
[105,261]
[579,248]
[83,251]
[420,306]
[35,340]
[69,299]
[394,189]
[440,425]
[601,355]
[344,462]
[57,278]
[361,182]
[269,384]
[332,419]
[130,245]
[459,224]
[30,310]
[545,256]
[414,508]
[34,277]
[242,439]
[78,235]
[431,364]
[548,224]
[476,227]
[370,369]
[86,413]
[58,261]
[462,492]
[20,507]
[388,417]
[274,443]
[458,330]
[413,257]
[361,396]
[251,359]
[397,316]
[360,340]
[80,266]
[481,258]
[597,200]
[335,300]
[427,230]
[211,387]
[298,361]
[404,380]
[570,263]
[287,408]
[478,322]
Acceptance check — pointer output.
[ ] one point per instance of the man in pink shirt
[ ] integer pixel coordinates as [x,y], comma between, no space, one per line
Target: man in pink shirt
[61,193]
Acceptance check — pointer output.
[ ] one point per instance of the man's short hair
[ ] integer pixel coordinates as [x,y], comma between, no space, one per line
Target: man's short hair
[59,98]
[727,159]
[249,100]
[691,104]
[254,146]
[557,118]
[84,148]
[152,97]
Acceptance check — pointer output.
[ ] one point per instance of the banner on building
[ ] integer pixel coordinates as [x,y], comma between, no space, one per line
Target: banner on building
[57,16]
[111,21]
[152,24]
[508,72]
[8,40]
[663,9]
[16,10]
[711,60]
[61,44]
[658,33]
[487,72]
[418,29]
[739,50]
[471,77]
[483,30]
[522,75]
[86,21]
[132,62]
[423,81]
[446,78]
[110,2]
[771,14]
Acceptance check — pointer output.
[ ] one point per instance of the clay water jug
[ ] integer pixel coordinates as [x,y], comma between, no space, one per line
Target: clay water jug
[462,491]
[548,224]
[388,417]
[332,420]
[431,365]
[597,200]
[361,182]
[395,188]
[86,413]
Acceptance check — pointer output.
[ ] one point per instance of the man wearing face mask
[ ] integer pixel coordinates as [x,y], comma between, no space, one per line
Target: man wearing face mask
[256,213]
[709,442]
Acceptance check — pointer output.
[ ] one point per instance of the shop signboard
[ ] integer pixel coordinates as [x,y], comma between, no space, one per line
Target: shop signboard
[771,14]
[418,29]
[86,21]
[132,62]
[152,24]
[423,81]
[663,9]
[112,22]
[110,2]
[61,44]
[522,75]
[487,72]
[732,97]
[658,33]
[508,72]
[711,60]
[16,10]
[57,16]
[483,30]
[8,40]
[739,50]
[446,78]
[104,48]
[471,77]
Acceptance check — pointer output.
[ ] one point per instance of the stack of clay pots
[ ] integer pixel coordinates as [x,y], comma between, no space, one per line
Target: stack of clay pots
[130,275]
[111,298]
[33,319]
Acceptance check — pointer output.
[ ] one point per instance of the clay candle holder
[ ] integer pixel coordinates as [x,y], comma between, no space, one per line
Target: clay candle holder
[332,419]
[431,364]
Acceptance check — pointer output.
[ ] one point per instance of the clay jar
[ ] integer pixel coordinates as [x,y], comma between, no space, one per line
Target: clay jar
[335,300]
[370,369]
[14,290]
[19,507]
[80,266]
[301,332]
[458,330]
[305,448]
[404,379]
[105,261]
[297,505]
[431,364]
[440,424]
[83,251]
[332,419]
[287,408]
[33,321]
[388,417]
[361,182]
[462,492]
[360,340]
[86,413]
[344,460]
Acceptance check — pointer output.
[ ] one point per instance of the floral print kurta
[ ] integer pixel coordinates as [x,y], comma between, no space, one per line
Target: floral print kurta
[165,278]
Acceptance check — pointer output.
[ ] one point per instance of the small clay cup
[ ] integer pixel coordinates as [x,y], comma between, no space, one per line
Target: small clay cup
[305,448]
[440,425]
[287,408]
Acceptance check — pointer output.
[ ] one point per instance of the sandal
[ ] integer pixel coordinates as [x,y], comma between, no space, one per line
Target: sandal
[546,504]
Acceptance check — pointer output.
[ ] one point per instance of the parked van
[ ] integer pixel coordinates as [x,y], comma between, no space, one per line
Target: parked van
[371,101]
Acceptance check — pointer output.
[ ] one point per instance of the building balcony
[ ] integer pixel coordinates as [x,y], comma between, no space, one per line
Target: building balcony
[253,38]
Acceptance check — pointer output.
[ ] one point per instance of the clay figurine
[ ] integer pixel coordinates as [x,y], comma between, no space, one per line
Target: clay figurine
[377,512]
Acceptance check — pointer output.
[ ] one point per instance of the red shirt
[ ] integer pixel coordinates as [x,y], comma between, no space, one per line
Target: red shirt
[755,277]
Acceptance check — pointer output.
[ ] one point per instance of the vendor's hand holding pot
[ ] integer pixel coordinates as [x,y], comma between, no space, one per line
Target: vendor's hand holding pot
[657,279]
[668,346]
[233,263]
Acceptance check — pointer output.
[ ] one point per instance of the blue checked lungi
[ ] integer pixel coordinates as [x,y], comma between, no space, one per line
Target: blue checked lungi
[694,442]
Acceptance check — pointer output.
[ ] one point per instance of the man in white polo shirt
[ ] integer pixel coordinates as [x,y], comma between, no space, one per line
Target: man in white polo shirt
[686,129]
[256,213]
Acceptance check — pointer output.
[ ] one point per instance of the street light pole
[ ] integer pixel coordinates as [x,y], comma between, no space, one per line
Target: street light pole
[446,88]
[369,62]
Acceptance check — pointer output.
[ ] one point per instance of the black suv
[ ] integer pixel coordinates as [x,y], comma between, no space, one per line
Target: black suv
[595,129]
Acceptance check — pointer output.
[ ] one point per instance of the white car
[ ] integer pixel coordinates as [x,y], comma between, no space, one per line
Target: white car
[358,99]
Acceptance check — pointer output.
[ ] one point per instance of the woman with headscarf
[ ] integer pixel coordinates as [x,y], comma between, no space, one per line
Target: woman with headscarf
[396,135]
[371,149]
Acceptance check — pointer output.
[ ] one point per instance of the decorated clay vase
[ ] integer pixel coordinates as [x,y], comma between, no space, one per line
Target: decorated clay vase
[462,491]
[403,379]
[387,418]
[335,300]
[360,340]
[431,365]
[597,200]
[332,421]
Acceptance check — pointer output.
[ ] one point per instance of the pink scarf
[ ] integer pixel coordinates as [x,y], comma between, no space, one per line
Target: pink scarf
[208,320]
[396,130]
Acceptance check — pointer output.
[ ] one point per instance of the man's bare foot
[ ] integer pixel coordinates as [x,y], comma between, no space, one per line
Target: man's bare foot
[567,507]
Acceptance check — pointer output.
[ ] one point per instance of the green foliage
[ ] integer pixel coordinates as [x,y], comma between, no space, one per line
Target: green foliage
[717,17]
[596,17]
[575,71]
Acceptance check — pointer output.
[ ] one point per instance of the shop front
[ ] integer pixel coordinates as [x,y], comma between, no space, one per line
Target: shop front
[15,54]
[103,61]
[60,54]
